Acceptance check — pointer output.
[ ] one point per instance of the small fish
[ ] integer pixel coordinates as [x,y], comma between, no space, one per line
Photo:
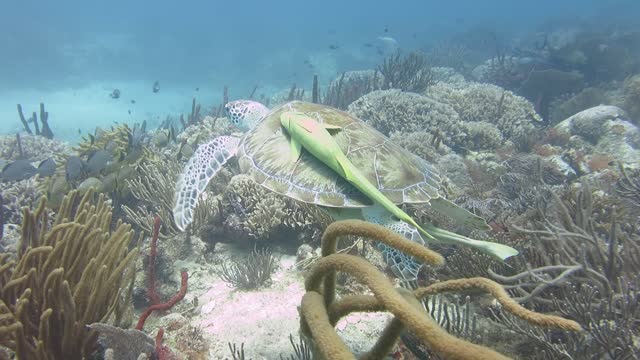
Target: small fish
[111,146]
[115,94]
[156,87]
[79,131]
[129,111]
[47,168]
[197,89]
[133,101]
[334,47]
[368,45]
[74,168]
[18,170]
[97,161]
[386,29]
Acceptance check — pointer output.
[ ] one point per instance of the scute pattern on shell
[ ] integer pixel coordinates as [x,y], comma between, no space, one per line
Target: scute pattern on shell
[264,155]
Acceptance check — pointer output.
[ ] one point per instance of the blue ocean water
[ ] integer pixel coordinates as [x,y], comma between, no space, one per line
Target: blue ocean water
[72,54]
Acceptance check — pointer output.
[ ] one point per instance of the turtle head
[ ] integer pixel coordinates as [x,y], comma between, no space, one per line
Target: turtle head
[245,114]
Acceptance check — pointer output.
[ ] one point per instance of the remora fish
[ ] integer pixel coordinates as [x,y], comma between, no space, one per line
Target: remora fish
[316,138]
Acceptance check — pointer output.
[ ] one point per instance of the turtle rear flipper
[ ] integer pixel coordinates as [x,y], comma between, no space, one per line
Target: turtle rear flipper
[403,265]
[205,163]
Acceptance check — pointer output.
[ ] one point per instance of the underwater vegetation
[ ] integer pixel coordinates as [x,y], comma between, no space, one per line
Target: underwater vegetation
[320,310]
[50,293]
[538,135]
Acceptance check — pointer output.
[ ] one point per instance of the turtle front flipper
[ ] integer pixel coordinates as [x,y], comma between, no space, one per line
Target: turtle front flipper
[206,161]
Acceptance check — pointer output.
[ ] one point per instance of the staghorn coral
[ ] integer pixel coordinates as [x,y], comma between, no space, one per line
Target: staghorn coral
[66,276]
[122,141]
[17,195]
[32,147]
[320,310]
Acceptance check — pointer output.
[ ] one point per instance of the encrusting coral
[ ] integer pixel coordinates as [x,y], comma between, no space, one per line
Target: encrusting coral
[320,310]
[67,275]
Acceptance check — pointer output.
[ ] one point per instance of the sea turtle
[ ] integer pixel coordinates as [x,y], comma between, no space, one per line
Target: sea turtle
[265,155]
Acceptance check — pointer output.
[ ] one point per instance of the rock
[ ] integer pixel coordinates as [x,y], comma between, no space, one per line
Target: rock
[603,131]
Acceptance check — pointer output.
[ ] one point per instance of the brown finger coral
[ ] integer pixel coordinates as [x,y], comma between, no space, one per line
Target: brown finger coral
[67,275]
[320,311]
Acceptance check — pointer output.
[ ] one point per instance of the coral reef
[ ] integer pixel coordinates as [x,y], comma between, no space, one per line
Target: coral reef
[31,147]
[408,73]
[152,282]
[45,131]
[153,190]
[205,130]
[252,213]
[350,86]
[583,261]
[250,272]
[596,132]
[631,92]
[512,115]
[393,110]
[473,116]
[65,277]
[320,310]
[561,109]
[17,195]
[123,343]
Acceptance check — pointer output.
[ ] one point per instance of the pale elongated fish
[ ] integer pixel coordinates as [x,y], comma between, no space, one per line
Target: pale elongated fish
[307,133]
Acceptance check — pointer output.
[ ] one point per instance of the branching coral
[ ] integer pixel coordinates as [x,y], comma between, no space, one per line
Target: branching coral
[257,214]
[587,271]
[320,310]
[205,130]
[350,86]
[250,272]
[17,195]
[407,73]
[31,147]
[66,276]
[629,186]
[153,189]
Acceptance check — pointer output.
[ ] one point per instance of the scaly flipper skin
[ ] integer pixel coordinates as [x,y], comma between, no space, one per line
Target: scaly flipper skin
[207,160]
[306,132]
